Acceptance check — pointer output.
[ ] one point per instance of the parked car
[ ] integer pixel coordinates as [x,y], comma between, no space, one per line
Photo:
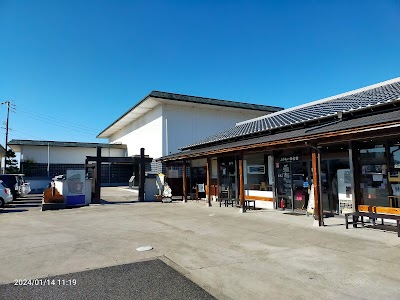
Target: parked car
[5,194]
[17,184]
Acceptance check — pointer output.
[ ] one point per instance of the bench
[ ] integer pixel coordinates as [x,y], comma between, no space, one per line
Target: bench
[227,201]
[372,216]
[250,204]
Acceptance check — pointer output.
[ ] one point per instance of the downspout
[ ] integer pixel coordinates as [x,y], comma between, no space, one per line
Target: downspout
[48,159]
[166,136]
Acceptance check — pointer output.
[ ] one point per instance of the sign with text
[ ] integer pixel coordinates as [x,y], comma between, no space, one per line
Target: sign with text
[75,187]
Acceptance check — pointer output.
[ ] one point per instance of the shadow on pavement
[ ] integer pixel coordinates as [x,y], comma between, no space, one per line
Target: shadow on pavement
[6,210]
[142,280]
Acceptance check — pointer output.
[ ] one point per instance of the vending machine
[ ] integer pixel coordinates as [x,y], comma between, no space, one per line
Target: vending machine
[345,190]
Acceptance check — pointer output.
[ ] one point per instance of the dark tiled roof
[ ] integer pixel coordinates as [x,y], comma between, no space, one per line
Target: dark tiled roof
[199,100]
[212,101]
[65,144]
[303,132]
[350,102]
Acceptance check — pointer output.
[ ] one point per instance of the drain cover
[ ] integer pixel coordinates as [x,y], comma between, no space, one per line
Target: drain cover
[144,248]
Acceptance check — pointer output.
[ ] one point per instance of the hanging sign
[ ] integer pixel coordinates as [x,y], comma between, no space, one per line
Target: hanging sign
[289,158]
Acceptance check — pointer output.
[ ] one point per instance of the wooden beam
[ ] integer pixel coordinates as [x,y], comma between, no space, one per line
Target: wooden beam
[86,166]
[379,209]
[241,184]
[370,131]
[116,159]
[259,198]
[142,174]
[97,181]
[208,189]
[184,181]
[314,163]
[355,172]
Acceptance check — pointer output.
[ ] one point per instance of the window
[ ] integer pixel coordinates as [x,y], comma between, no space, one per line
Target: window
[374,179]
[256,177]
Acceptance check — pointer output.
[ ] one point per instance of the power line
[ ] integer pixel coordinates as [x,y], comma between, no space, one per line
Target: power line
[57,120]
[58,124]
[27,134]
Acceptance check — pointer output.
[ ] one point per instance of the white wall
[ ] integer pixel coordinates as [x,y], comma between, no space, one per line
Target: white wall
[168,127]
[66,155]
[145,132]
[190,124]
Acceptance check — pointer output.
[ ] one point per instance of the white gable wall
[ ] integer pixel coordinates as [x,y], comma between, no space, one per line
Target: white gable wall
[186,124]
[65,155]
[145,132]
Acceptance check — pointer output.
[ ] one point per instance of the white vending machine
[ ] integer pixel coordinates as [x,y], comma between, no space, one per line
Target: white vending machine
[345,190]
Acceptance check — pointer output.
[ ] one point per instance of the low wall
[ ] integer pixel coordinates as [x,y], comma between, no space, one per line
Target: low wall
[38,185]
[61,187]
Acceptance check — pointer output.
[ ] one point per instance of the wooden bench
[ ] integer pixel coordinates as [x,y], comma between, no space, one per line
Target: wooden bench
[234,202]
[227,201]
[250,204]
[372,216]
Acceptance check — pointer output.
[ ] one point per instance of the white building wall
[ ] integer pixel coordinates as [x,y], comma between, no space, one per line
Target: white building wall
[66,155]
[145,132]
[190,124]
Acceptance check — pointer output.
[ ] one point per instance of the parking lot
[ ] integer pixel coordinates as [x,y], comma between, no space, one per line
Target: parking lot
[31,202]
[261,254]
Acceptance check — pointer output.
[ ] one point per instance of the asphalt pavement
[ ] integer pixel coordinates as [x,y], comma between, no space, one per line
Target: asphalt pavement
[142,280]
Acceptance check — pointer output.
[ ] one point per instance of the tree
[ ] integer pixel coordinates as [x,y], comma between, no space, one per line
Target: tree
[28,167]
[11,163]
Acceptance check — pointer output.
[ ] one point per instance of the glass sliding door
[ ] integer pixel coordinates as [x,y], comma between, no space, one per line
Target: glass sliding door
[227,177]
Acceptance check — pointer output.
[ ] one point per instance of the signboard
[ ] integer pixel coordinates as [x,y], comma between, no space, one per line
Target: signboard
[284,184]
[75,187]
[173,173]
[289,158]
[160,182]
[344,179]
[256,169]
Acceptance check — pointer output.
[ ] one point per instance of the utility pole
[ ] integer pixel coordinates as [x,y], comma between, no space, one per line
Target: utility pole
[8,116]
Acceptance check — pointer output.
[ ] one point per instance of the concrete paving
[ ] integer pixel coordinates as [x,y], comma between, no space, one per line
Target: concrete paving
[260,254]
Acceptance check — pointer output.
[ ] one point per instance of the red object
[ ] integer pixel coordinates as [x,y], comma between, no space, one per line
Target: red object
[282,203]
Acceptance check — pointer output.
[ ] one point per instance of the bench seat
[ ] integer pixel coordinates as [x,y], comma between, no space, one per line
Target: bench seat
[372,216]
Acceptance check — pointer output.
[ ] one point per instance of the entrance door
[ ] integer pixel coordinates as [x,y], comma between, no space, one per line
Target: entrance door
[284,185]
[228,177]
[300,171]
[329,183]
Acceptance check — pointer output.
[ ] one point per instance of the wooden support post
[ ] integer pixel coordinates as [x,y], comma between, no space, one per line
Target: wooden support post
[97,181]
[142,175]
[86,166]
[241,185]
[184,181]
[317,212]
[355,170]
[208,188]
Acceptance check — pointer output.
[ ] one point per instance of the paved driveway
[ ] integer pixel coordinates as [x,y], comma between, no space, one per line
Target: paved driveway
[31,202]
[261,254]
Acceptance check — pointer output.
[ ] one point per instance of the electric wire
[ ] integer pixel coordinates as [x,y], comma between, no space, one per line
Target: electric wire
[58,124]
[54,120]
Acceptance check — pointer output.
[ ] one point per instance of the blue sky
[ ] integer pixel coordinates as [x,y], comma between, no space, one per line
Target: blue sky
[73,67]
